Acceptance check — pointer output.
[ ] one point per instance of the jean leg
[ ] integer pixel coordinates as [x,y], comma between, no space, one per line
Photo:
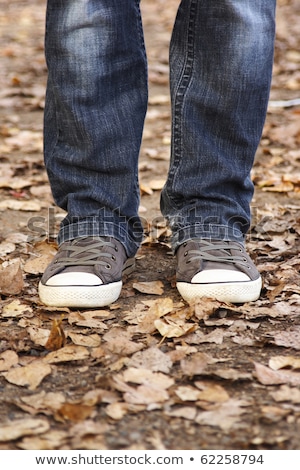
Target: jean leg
[96,103]
[221,58]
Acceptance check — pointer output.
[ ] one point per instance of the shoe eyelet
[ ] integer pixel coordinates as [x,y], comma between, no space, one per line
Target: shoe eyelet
[113,258]
[108,266]
[185,253]
[116,248]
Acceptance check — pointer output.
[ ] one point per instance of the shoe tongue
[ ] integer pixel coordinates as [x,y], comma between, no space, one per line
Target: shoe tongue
[218,265]
[79,269]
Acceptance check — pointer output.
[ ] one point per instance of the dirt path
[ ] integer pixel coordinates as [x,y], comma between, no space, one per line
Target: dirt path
[150,372]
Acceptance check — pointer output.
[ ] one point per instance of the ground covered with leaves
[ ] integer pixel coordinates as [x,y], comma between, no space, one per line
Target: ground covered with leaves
[150,371]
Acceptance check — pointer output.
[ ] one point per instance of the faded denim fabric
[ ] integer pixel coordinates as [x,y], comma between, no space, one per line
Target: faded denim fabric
[221,56]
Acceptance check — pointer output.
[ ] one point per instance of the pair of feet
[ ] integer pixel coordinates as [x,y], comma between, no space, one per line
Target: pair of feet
[87,272]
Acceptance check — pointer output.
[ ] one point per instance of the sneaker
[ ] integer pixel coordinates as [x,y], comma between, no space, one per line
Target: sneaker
[217,269]
[85,272]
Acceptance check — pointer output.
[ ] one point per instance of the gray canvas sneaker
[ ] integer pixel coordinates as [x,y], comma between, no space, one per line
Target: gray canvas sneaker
[85,272]
[217,269]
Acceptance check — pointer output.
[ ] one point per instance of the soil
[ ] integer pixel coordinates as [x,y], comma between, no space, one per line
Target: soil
[262,421]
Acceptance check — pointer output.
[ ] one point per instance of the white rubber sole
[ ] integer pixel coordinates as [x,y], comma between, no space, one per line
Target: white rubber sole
[80,296]
[229,292]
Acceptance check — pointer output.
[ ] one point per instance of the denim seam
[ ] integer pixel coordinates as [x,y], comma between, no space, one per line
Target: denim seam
[180,94]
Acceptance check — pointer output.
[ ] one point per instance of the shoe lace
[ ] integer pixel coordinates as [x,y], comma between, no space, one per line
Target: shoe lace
[87,252]
[217,251]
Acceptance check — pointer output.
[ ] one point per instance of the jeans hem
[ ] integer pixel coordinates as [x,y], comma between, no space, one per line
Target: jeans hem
[216,232]
[86,229]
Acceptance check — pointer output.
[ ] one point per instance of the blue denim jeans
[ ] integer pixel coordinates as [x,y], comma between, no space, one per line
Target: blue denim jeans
[221,57]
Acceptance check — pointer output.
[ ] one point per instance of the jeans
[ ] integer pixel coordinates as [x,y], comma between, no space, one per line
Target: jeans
[221,57]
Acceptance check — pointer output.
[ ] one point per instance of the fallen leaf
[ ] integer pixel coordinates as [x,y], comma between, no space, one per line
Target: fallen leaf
[73,412]
[38,336]
[57,338]
[8,359]
[185,412]
[172,328]
[28,376]
[89,341]
[38,264]
[211,392]
[40,403]
[286,393]
[224,416]
[67,354]
[279,362]
[118,340]
[15,309]
[267,376]
[194,365]
[11,278]
[16,205]
[51,440]
[89,319]
[152,359]
[150,287]
[288,338]
[22,427]
[117,410]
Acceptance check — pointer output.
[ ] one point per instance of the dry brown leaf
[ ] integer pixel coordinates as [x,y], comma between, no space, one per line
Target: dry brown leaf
[173,328]
[6,247]
[16,205]
[145,319]
[211,392]
[187,393]
[89,341]
[157,185]
[66,354]
[185,412]
[98,395]
[216,336]
[38,336]
[279,362]
[15,309]
[38,264]
[273,414]
[150,287]
[57,338]
[89,319]
[74,412]
[118,340]
[286,393]
[232,374]
[8,359]
[42,402]
[204,307]
[145,395]
[267,376]
[52,440]
[28,376]
[22,427]
[288,338]
[194,365]
[117,410]
[152,359]
[88,435]
[145,376]
[224,416]
[11,278]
